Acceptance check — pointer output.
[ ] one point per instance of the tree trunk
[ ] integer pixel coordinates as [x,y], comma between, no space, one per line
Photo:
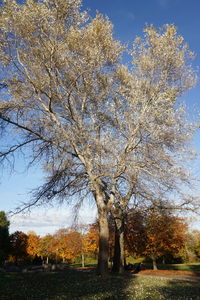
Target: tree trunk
[118,261]
[103,242]
[154,263]
[117,252]
[125,264]
[163,260]
[83,259]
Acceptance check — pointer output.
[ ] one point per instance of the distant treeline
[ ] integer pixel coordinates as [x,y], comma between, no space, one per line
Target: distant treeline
[152,236]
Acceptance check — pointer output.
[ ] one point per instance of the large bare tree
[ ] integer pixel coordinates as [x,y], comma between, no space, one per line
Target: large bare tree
[96,126]
[157,149]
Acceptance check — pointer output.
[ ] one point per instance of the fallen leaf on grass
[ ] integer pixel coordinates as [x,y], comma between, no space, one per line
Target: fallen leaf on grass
[169,272]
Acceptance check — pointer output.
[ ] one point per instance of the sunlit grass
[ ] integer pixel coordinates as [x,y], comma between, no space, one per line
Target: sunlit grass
[73,284]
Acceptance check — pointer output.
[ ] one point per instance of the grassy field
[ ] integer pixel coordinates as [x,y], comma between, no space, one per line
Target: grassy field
[182,267]
[76,284]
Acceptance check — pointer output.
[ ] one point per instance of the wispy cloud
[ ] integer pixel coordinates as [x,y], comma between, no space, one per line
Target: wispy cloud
[163,3]
[131,16]
[123,14]
[43,221]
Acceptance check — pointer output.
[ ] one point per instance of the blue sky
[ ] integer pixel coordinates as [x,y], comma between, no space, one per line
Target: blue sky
[129,18]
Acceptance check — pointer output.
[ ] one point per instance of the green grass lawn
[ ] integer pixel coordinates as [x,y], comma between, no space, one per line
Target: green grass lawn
[182,267]
[74,284]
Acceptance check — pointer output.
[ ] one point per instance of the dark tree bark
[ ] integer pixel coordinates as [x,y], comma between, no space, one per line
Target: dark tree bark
[118,260]
[102,268]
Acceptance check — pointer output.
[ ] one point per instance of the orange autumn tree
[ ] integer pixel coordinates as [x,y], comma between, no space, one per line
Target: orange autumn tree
[83,230]
[196,242]
[67,243]
[91,240]
[164,234]
[33,244]
[135,233]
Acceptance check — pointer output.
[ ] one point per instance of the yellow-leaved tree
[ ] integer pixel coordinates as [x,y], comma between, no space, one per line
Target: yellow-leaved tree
[33,244]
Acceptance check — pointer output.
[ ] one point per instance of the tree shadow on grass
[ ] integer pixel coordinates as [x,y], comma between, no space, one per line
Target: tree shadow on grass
[69,284]
[181,290]
[86,285]
[155,287]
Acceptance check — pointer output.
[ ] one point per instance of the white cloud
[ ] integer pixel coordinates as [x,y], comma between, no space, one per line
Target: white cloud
[48,221]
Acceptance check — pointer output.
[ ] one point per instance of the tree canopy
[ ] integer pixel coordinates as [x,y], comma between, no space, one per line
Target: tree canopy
[4,236]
